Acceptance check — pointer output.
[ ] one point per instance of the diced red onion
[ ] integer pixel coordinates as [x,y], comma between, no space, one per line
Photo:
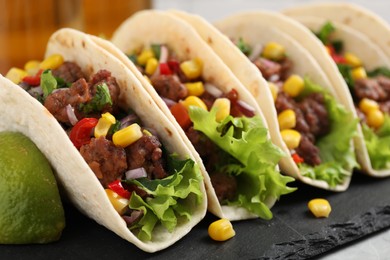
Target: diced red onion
[134,217]
[213,90]
[163,54]
[136,173]
[128,120]
[168,102]
[35,91]
[71,115]
[274,78]
[256,51]
[245,108]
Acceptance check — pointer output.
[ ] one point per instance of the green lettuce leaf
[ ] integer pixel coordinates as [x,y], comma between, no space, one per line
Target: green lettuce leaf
[336,153]
[378,144]
[170,197]
[254,158]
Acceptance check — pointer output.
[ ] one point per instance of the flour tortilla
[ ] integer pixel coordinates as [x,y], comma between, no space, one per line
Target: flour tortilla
[23,113]
[354,16]
[151,27]
[372,57]
[262,27]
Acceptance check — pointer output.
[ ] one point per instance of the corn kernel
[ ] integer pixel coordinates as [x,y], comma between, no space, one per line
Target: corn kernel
[294,85]
[104,124]
[274,51]
[144,56]
[120,204]
[127,136]
[52,62]
[375,118]
[223,108]
[32,67]
[194,101]
[291,138]
[151,66]
[221,230]
[274,90]
[366,105]
[16,75]
[195,88]
[359,73]
[352,60]
[319,207]
[192,69]
[287,119]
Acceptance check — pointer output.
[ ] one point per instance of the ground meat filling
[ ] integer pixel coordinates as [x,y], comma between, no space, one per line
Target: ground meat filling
[169,86]
[312,121]
[106,160]
[225,186]
[146,152]
[69,72]
[377,89]
[81,92]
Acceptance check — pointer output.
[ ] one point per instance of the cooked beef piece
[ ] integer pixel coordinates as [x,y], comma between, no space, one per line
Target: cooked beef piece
[208,99]
[384,82]
[57,101]
[385,106]
[69,72]
[315,113]
[106,160]
[146,152]
[203,145]
[369,88]
[283,102]
[169,86]
[225,186]
[81,92]
[268,68]
[308,151]
[286,64]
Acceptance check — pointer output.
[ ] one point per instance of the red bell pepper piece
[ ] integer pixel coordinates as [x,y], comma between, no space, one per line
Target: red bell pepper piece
[164,69]
[181,115]
[81,132]
[33,80]
[297,159]
[116,186]
[174,65]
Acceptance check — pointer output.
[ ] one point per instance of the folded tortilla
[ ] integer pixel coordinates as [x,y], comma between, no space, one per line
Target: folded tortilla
[352,15]
[372,58]
[259,28]
[156,27]
[23,113]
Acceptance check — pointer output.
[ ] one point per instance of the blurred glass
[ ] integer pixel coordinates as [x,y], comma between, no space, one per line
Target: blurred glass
[26,25]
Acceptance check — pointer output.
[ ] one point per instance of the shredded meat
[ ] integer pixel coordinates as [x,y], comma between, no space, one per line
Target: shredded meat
[146,152]
[106,160]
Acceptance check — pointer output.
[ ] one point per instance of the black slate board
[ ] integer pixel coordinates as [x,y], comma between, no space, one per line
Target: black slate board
[293,233]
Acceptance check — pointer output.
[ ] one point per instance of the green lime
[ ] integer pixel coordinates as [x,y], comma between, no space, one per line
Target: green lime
[30,205]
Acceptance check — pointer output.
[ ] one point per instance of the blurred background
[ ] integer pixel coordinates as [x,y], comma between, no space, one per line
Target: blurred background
[26,25]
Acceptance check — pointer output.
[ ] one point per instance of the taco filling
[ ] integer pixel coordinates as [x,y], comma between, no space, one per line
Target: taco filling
[229,137]
[146,185]
[316,130]
[370,91]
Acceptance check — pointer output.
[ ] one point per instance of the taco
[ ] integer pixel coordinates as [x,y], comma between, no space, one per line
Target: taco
[119,159]
[320,150]
[216,116]
[352,15]
[365,72]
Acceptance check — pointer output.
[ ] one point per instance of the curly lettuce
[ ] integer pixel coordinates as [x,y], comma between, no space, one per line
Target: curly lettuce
[255,157]
[378,144]
[170,198]
[337,155]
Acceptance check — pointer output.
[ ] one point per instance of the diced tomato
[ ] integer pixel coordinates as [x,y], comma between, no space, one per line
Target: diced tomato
[181,115]
[297,159]
[116,186]
[164,69]
[336,57]
[81,132]
[174,65]
[33,80]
